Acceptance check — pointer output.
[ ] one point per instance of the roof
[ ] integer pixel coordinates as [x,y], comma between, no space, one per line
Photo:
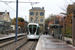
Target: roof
[3,13]
[37,8]
[54,24]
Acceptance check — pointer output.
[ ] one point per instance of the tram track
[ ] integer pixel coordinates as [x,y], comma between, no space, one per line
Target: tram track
[21,45]
[33,46]
[28,45]
[13,45]
[8,41]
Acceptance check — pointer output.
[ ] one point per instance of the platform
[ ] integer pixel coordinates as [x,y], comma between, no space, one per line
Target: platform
[10,35]
[47,42]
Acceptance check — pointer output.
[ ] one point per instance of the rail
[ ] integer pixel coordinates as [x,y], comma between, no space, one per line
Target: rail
[33,46]
[28,45]
[9,40]
[21,45]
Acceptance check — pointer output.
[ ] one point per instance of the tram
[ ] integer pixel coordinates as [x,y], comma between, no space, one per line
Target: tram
[33,31]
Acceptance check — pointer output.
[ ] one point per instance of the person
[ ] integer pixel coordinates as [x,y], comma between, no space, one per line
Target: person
[52,33]
[46,32]
[61,36]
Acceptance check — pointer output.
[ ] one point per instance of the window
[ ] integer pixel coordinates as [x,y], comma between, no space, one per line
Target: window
[41,19]
[31,13]
[41,14]
[36,19]
[36,13]
[31,19]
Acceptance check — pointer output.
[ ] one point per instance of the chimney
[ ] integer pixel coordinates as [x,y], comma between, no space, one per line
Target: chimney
[32,7]
[5,11]
[43,8]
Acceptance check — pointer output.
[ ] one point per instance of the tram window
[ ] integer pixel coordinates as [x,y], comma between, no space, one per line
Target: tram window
[32,29]
[37,31]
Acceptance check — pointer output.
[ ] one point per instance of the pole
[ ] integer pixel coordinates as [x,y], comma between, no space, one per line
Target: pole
[73,28]
[16,20]
[63,28]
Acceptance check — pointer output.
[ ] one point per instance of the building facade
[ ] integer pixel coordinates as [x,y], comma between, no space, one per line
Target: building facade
[37,15]
[70,8]
[4,16]
[4,22]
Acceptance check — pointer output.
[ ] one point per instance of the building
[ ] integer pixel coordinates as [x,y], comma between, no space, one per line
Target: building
[4,22]
[37,15]
[4,27]
[70,8]
[4,16]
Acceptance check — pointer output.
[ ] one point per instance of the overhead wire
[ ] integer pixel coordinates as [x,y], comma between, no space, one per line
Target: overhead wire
[31,3]
[10,7]
[65,6]
[66,2]
[71,1]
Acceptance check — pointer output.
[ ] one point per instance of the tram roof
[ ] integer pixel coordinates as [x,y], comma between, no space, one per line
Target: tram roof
[33,24]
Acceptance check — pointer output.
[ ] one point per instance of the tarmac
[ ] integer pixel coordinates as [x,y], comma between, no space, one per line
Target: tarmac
[47,42]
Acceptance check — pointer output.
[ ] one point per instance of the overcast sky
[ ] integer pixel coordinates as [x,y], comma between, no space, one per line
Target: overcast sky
[51,7]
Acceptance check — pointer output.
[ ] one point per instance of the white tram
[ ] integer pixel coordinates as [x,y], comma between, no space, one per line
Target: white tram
[33,31]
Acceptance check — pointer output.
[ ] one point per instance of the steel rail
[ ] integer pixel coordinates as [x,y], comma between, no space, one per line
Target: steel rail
[8,41]
[33,46]
[22,45]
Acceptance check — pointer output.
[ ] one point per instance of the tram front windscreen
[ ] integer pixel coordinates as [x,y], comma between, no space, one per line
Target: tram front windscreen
[32,29]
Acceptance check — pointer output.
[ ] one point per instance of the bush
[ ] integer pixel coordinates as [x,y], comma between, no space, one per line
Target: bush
[68,42]
[70,36]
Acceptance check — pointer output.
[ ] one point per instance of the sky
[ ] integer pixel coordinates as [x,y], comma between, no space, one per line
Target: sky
[50,6]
